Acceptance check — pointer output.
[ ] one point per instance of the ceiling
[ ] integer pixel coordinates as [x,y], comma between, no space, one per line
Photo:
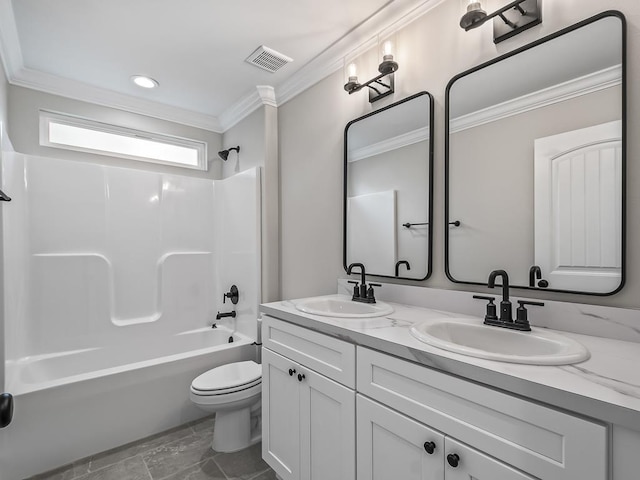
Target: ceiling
[195,49]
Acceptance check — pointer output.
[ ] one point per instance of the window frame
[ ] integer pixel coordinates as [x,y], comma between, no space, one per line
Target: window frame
[47,117]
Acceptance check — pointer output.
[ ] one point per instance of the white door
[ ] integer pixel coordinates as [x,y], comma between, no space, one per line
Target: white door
[578,208]
[327,428]
[465,463]
[280,415]
[392,446]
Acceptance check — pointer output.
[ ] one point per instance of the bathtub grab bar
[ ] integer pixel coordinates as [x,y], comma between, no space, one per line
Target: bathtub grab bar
[6,409]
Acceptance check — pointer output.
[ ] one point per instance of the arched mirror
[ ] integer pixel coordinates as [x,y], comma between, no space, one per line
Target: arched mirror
[535,163]
[388,163]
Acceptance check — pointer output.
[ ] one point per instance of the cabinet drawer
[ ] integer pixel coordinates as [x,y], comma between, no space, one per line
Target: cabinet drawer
[536,439]
[329,356]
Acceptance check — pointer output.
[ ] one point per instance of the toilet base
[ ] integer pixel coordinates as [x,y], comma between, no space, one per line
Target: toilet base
[236,430]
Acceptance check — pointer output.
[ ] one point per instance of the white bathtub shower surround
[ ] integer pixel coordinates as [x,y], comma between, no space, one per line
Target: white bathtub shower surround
[116,277]
[238,204]
[103,257]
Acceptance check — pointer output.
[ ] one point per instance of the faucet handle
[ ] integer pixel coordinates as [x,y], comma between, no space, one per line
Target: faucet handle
[370,294]
[521,313]
[356,291]
[491,307]
[232,295]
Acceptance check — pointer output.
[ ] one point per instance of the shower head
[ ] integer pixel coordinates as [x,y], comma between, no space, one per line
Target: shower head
[224,154]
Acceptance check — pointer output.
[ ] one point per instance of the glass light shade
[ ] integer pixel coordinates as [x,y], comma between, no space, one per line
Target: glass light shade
[387,48]
[352,70]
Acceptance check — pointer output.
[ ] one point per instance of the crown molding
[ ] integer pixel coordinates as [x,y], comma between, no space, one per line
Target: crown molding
[267,95]
[593,82]
[262,95]
[393,143]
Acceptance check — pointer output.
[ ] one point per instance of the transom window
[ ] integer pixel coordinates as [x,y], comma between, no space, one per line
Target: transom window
[83,135]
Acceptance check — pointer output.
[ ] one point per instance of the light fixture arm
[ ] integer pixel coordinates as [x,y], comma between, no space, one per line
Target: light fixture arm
[500,13]
[359,86]
[510,20]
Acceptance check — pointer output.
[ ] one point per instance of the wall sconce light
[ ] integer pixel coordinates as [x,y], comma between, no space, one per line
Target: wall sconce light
[508,21]
[380,86]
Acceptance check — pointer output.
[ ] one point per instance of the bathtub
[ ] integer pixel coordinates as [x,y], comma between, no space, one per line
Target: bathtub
[73,404]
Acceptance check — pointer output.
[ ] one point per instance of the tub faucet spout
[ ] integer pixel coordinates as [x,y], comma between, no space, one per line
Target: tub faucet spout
[231,314]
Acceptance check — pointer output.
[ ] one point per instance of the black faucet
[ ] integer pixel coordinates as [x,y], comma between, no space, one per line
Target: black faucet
[360,292]
[402,262]
[227,314]
[506,311]
[536,272]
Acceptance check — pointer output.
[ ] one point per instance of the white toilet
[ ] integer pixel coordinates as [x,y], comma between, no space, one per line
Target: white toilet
[233,392]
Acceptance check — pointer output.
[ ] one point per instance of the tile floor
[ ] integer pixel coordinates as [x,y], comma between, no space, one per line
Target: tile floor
[183,453]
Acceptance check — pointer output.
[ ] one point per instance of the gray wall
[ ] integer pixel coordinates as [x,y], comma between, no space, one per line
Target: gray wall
[249,134]
[257,136]
[431,50]
[25,104]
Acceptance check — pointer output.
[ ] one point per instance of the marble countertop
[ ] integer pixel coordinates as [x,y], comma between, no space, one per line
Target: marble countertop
[605,387]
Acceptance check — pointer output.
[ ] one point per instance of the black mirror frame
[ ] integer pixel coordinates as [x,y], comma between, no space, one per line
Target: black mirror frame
[608,13]
[430,184]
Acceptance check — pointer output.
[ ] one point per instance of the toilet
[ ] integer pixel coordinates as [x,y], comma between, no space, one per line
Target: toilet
[232,391]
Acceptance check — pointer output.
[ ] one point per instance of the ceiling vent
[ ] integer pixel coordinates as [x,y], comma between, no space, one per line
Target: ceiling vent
[268,59]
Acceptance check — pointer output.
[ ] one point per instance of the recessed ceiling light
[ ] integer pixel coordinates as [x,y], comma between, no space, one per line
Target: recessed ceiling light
[144,82]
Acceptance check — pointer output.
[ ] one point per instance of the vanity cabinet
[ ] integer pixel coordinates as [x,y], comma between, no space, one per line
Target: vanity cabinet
[411,422]
[308,419]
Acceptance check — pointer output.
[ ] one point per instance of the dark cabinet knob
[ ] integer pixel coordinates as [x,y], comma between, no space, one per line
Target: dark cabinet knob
[301,377]
[292,372]
[453,459]
[429,447]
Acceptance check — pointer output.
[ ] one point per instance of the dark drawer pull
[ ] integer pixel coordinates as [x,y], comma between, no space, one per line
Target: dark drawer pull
[453,459]
[429,447]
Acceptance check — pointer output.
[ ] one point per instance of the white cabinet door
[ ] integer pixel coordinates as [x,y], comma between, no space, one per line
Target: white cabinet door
[280,415]
[327,428]
[464,463]
[392,446]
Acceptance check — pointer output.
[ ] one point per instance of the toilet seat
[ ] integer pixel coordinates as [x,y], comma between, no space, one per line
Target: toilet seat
[227,379]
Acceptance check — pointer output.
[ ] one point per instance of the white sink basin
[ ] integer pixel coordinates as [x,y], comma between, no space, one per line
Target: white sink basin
[471,337]
[343,307]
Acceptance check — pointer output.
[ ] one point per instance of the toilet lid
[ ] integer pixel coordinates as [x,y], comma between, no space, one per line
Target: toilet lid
[229,376]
